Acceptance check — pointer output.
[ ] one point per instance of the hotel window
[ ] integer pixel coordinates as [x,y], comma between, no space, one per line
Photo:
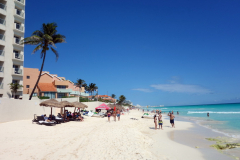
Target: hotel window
[49,94]
[60,95]
[61,87]
[28,86]
[14,81]
[28,77]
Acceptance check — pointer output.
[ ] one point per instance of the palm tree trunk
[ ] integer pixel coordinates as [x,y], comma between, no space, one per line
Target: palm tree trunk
[38,76]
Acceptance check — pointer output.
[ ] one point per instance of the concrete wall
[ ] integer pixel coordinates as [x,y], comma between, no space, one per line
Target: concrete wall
[14,110]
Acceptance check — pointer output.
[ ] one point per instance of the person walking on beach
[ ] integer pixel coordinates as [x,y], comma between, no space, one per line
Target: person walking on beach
[171,119]
[114,115]
[118,114]
[160,122]
[109,115]
[155,121]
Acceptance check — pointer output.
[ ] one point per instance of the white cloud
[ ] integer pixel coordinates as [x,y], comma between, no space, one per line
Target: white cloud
[181,88]
[142,89]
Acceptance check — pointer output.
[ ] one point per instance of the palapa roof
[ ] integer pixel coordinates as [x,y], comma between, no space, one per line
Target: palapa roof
[51,103]
[80,105]
[67,104]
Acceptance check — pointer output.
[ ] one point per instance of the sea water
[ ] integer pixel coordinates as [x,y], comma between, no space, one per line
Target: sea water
[223,118]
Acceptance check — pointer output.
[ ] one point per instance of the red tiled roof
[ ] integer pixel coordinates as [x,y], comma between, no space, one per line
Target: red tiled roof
[47,87]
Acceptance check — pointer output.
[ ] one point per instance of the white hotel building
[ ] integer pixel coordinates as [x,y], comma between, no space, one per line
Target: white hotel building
[12,19]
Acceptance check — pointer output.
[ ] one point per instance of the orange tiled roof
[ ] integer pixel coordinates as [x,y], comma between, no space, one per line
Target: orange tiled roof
[47,87]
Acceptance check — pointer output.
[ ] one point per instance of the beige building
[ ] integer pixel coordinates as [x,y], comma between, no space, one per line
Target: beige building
[12,19]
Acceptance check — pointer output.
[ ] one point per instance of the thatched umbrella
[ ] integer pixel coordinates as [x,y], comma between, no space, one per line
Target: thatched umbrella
[51,103]
[67,104]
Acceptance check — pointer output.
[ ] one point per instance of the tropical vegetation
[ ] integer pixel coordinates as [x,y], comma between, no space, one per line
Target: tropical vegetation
[45,39]
[14,87]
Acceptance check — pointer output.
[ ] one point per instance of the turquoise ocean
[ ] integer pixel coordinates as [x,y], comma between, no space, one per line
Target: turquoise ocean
[224,118]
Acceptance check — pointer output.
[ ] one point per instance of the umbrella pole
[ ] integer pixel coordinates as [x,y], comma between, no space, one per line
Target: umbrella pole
[64,114]
[51,113]
[74,109]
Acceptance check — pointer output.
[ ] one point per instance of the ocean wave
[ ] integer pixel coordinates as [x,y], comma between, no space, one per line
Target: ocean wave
[192,112]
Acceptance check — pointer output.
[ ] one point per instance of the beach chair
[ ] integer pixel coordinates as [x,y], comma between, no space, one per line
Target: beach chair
[34,118]
[41,121]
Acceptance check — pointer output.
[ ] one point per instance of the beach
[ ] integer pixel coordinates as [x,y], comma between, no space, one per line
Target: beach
[95,138]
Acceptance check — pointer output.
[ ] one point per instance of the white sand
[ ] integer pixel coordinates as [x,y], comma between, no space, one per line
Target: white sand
[94,138]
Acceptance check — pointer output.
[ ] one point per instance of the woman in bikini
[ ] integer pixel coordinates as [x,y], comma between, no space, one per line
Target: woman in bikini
[109,115]
[155,121]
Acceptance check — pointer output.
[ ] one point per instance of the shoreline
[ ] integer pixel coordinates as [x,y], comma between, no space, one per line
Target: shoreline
[95,138]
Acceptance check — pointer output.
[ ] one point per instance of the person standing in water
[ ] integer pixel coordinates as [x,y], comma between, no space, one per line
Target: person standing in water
[208,114]
[171,119]
[155,121]
[160,122]
[109,115]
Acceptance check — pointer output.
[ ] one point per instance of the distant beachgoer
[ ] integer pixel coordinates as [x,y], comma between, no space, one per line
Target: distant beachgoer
[177,113]
[172,112]
[208,114]
[114,116]
[155,121]
[109,115]
[160,111]
[171,119]
[160,122]
[118,114]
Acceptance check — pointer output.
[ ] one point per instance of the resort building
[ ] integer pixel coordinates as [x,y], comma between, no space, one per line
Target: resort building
[12,19]
[104,97]
[50,85]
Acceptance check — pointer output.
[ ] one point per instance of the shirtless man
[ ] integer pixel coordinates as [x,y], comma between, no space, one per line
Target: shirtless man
[118,114]
[160,122]
[171,119]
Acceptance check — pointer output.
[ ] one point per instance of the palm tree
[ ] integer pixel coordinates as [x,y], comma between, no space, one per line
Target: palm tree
[45,39]
[92,87]
[14,87]
[122,98]
[113,96]
[79,84]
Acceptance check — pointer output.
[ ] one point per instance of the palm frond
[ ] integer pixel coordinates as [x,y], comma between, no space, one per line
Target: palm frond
[58,38]
[33,40]
[37,48]
[47,37]
[52,43]
[38,33]
[55,52]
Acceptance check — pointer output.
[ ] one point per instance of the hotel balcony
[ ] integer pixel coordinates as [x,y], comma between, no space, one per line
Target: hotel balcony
[3,9]
[20,2]
[78,93]
[18,57]
[1,88]
[17,72]
[3,21]
[1,71]
[2,55]
[62,90]
[19,13]
[17,41]
[18,27]
[2,37]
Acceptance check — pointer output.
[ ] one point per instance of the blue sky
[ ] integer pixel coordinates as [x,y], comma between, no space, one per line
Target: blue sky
[153,52]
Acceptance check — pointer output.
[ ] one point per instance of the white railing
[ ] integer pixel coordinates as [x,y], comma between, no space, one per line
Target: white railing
[19,12]
[1,68]
[17,71]
[3,22]
[3,6]
[2,53]
[2,37]
[18,56]
[22,1]
[18,27]
[1,85]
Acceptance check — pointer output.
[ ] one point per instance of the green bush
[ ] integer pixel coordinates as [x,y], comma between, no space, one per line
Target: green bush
[83,99]
[43,97]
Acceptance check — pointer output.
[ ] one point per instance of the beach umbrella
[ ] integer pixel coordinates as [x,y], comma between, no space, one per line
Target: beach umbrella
[51,103]
[79,105]
[67,104]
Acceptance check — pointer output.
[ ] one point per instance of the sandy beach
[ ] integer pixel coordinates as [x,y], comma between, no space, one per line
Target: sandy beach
[95,138]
